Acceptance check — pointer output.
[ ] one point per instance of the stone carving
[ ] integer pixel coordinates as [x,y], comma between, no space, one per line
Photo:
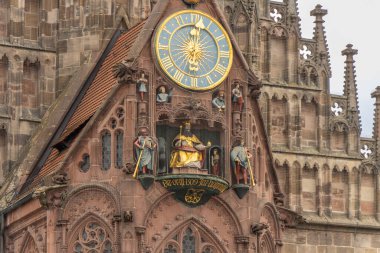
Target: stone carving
[142,84]
[95,201]
[128,216]
[129,168]
[163,96]
[50,196]
[125,71]
[219,102]
[258,228]
[60,178]
[237,96]
[305,52]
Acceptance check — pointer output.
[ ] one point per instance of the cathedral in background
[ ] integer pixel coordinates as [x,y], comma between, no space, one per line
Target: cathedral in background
[180,126]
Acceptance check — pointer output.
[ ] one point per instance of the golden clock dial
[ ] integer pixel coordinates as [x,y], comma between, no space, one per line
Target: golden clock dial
[193,50]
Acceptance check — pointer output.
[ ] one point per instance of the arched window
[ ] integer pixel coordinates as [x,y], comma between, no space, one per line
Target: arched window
[92,237]
[119,149]
[191,239]
[188,242]
[106,151]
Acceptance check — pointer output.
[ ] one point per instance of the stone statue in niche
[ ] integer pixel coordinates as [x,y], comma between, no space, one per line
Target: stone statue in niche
[219,102]
[142,84]
[188,150]
[240,163]
[215,161]
[163,96]
[237,96]
[144,147]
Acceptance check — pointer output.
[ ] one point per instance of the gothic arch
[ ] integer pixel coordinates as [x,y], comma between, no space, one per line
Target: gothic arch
[269,216]
[166,214]
[204,237]
[92,232]
[29,245]
[78,202]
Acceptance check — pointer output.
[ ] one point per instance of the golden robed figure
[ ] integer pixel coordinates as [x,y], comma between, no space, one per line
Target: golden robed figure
[188,150]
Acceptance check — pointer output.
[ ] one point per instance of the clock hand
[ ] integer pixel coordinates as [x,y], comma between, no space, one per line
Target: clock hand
[195,50]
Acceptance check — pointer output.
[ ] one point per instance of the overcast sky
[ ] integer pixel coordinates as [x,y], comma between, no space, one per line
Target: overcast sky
[354,22]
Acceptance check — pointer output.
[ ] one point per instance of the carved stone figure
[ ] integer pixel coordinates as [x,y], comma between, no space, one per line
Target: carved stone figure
[142,86]
[240,162]
[219,102]
[162,96]
[124,71]
[237,96]
[60,178]
[215,162]
[144,152]
[188,150]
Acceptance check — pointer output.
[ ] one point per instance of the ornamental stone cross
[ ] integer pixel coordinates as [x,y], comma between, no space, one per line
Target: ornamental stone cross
[337,110]
[305,52]
[365,151]
[275,15]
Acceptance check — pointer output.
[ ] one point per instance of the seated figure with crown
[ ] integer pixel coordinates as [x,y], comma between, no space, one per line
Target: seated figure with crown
[189,153]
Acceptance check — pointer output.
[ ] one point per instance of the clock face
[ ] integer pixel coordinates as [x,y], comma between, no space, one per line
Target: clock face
[194,50]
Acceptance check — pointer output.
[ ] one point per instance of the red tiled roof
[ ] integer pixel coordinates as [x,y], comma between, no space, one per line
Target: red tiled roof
[104,81]
[95,95]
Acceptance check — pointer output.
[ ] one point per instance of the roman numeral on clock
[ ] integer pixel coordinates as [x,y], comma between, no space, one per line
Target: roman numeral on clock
[194,18]
[194,82]
[178,75]
[220,69]
[219,38]
[224,54]
[163,47]
[167,62]
[179,20]
[209,80]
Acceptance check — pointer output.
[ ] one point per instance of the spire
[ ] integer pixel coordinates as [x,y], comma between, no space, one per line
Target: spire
[350,88]
[376,121]
[292,10]
[322,49]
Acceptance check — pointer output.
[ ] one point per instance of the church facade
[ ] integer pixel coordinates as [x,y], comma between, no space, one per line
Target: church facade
[179,126]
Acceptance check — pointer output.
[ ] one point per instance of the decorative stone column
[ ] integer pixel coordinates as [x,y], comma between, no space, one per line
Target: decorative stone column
[116,223]
[62,224]
[140,232]
[242,243]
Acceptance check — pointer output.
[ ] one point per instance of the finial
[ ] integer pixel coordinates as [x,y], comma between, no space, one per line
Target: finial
[349,50]
[318,12]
